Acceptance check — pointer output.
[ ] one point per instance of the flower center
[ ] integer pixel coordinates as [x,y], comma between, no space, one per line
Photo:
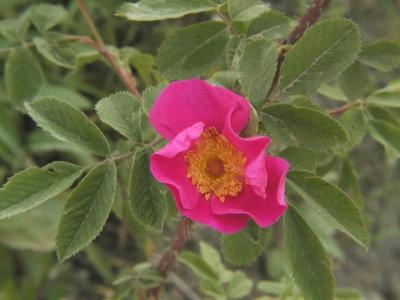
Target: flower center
[215,166]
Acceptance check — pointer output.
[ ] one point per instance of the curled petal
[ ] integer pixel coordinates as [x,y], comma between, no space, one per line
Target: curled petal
[254,150]
[168,165]
[185,102]
[202,213]
[263,210]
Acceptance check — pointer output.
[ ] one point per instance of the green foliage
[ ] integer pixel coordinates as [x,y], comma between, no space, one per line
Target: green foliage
[325,50]
[271,25]
[216,281]
[120,111]
[23,76]
[349,182]
[17,196]
[46,16]
[302,158]
[54,52]
[86,210]
[153,10]
[326,96]
[257,69]
[332,202]
[307,127]
[354,82]
[244,247]
[146,203]
[383,55]
[239,285]
[193,50]
[307,258]
[15,29]
[69,124]
[387,96]
[355,123]
[198,265]
[35,230]
[386,134]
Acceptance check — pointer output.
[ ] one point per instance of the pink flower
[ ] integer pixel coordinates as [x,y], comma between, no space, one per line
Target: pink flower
[217,178]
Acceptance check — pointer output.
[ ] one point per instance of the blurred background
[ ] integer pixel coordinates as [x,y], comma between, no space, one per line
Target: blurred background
[28,264]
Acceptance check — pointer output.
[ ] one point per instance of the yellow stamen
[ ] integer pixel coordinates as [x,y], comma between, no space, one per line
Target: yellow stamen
[215,166]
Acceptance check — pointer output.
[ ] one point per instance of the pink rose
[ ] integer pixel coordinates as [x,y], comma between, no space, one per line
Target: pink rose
[217,178]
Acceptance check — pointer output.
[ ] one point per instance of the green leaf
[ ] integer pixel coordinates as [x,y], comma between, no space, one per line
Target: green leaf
[211,257]
[33,186]
[324,51]
[56,53]
[332,202]
[302,158]
[213,288]
[197,265]
[347,294]
[386,134]
[228,79]
[46,16]
[332,92]
[66,94]
[382,55]
[120,111]
[150,95]
[348,181]
[35,230]
[153,10]
[193,50]
[146,203]
[257,69]
[389,96]
[15,29]
[143,63]
[235,7]
[242,248]
[86,210]
[355,122]
[383,114]
[243,12]
[354,82]
[271,287]
[23,76]
[308,127]
[69,124]
[271,24]
[239,286]
[307,258]
[11,150]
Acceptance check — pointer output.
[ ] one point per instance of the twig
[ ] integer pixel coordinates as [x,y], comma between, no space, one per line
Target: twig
[309,18]
[168,259]
[126,77]
[344,108]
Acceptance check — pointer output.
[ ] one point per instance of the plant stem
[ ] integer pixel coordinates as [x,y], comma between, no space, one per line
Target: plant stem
[309,18]
[126,77]
[168,258]
[344,108]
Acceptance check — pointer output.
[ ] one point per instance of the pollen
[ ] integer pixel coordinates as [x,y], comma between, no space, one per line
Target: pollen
[215,166]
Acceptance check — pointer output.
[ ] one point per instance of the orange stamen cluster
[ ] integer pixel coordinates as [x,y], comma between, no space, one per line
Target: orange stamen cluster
[215,166]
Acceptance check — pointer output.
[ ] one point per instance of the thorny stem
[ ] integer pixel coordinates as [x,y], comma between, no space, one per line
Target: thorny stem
[168,259]
[344,108]
[309,18]
[126,77]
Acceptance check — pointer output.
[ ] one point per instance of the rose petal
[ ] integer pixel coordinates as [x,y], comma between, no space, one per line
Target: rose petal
[263,210]
[185,102]
[254,150]
[201,213]
[168,165]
